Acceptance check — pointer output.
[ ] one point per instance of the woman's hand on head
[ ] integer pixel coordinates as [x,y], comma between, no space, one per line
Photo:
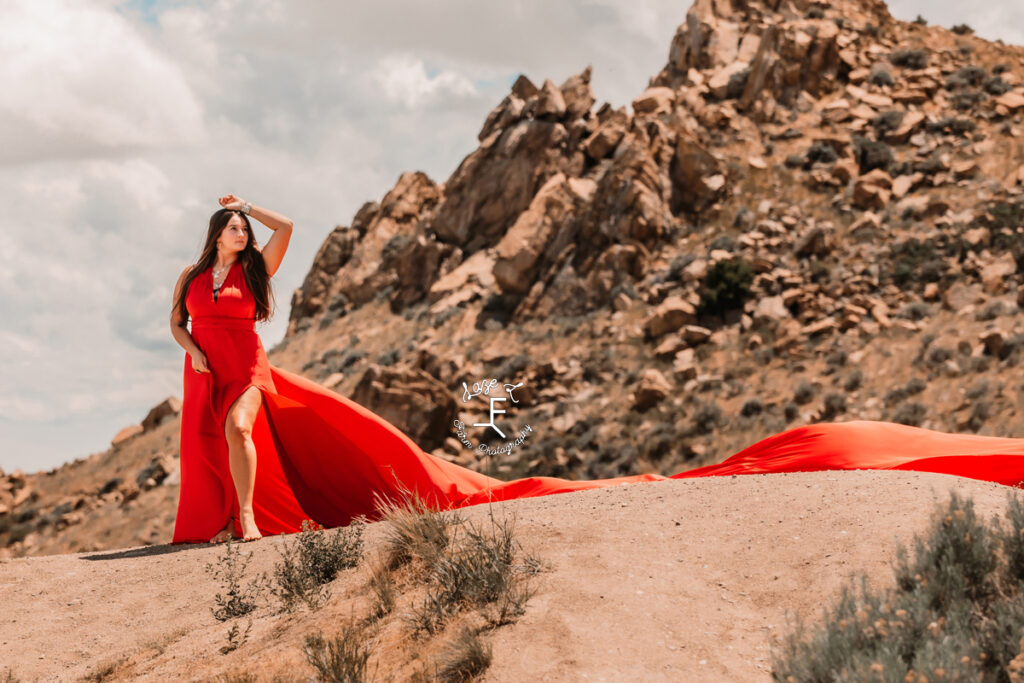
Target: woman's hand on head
[230,201]
[199,362]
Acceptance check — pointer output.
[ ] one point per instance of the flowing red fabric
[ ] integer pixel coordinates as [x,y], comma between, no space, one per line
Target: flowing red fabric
[324,457]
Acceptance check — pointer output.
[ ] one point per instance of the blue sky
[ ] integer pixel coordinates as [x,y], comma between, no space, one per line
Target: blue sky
[122,122]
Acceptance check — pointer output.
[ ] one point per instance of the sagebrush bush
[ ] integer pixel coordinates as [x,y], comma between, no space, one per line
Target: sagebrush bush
[955,612]
[313,560]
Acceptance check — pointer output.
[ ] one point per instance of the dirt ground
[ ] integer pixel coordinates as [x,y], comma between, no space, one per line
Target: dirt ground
[673,580]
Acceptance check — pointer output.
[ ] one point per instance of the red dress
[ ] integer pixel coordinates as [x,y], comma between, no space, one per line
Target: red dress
[323,457]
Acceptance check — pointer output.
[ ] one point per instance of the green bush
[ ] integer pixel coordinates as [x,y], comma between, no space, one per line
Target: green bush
[955,613]
[726,286]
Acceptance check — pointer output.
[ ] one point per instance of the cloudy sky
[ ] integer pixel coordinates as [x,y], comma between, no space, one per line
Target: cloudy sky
[122,122]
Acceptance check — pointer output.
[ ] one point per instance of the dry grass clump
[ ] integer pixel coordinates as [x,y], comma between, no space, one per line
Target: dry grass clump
[955,613]
[342,658]
[480,569]
[414,530]
[473,577]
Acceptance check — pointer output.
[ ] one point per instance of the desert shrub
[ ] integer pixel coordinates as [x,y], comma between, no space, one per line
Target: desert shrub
[912,414]
[814,12]
[920,21]
[915,310]
[915,262]
[820,152]
[880,75]
[238,599]
[463,658]
[962,29]
[791,411]
[794,161]
[835,403]
[342,658]
[978,390]
[964,77]
[995,85]
[955,125]
[725,243]
[481,569]
[1010,349]
[414,530]
[965,99]
[383,586]
[911,59]
[854,380]
[898,394]
[389,357]
[706,417]
[991,311]
[871,154]
[236,637]
[804,393]
[752,407]
[726,285]
[980,412]
[937,355]
[835,360]
[313,560]
[887,121]
[955,610]
[1002,218]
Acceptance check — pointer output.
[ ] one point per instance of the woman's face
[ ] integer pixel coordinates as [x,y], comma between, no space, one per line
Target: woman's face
[234,236]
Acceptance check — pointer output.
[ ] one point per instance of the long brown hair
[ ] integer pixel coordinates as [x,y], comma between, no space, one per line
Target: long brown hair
[253,267]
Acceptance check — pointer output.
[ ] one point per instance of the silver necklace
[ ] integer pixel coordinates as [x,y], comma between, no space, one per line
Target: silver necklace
[218,271]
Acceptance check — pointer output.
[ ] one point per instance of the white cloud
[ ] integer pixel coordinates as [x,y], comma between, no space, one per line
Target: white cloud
[80,81]
[404,79]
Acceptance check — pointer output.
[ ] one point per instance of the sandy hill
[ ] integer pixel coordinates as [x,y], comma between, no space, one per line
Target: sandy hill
[696,577]
[812,212]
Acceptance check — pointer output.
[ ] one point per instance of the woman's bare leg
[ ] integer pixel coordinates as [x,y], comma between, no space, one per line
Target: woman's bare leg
[242,455]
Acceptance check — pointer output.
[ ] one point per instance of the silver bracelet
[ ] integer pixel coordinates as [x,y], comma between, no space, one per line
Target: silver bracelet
[246,208]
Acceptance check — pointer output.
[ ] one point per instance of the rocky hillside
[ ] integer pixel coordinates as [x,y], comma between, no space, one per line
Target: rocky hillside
[810,213]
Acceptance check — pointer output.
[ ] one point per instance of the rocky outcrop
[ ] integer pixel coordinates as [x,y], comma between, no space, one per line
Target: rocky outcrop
[411,399]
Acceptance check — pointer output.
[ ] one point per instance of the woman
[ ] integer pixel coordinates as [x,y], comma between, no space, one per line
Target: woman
[263,449]
[239,277]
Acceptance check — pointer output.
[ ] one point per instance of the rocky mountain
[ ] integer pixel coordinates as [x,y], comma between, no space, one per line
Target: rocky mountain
[813,212]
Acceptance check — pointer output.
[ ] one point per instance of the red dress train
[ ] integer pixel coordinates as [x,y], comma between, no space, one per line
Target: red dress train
[322,456]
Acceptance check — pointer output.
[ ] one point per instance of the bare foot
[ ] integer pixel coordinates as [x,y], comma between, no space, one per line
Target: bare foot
[225,534]
[250,532]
